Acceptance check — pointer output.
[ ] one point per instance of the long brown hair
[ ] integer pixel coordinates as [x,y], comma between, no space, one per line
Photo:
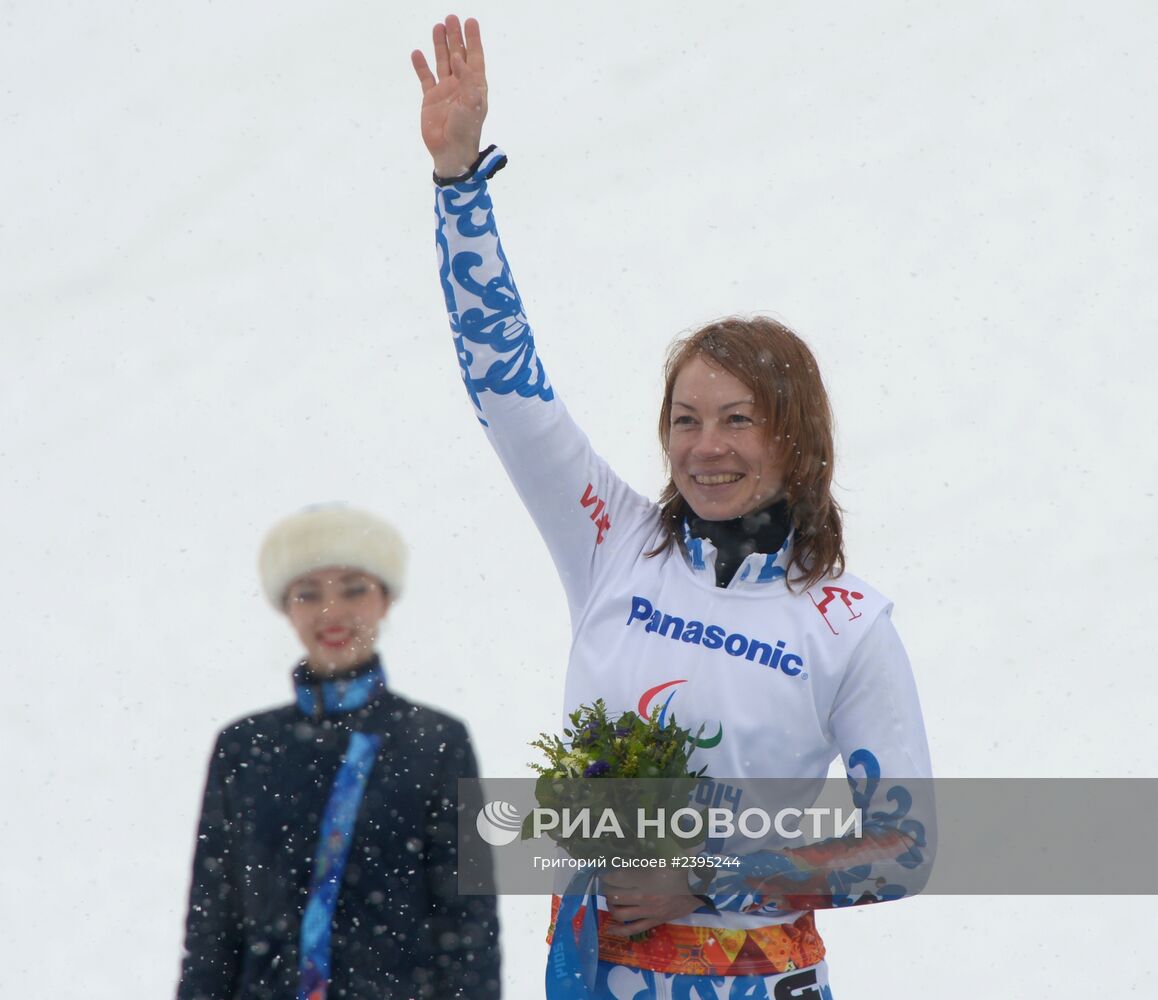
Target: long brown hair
[784,378]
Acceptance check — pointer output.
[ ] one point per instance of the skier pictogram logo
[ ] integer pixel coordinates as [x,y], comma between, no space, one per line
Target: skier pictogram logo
[846,597]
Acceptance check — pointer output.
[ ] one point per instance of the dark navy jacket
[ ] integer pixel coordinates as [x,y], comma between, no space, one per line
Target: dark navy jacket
[400,930]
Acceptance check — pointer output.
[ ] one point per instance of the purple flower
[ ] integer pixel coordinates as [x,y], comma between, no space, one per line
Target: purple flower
[586,736]
[596,769]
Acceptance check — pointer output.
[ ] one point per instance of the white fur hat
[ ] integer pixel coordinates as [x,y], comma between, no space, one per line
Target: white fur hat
[330,535]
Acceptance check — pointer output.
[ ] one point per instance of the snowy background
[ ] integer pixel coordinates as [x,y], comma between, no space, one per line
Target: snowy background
[219,303]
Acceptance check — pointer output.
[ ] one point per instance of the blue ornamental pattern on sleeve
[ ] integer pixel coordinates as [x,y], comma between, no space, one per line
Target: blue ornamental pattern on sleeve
[733,887]
[494,341]
[864,789]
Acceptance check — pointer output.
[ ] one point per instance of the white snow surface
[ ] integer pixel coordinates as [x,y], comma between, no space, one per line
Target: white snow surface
[219,303]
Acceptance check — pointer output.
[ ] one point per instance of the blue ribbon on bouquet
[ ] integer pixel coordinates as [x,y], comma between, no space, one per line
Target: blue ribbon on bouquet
[574,958]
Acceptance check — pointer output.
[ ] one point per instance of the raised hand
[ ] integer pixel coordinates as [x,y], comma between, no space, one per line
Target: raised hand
[454,105]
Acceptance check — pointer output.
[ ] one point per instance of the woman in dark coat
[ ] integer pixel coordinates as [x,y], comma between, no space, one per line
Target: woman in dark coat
[327,851]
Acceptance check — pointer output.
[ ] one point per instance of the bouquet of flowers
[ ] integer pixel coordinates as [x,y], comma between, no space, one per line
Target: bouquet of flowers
[614,785]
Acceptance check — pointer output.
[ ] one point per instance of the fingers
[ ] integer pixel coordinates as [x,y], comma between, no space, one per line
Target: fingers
[454,41]
[441,51]
[474,46]
[623,913]
[422,69]
[632,907]
[452,52]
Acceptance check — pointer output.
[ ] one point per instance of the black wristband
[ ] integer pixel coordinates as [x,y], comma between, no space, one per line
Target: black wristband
[499,164]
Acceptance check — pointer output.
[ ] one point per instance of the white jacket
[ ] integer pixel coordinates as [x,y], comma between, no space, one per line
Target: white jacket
[786,679]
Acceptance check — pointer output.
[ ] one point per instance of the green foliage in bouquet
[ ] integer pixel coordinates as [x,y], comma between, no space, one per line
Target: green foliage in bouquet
[650,763]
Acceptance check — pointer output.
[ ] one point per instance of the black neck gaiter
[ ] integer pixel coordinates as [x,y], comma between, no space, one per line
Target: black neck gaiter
[763,530]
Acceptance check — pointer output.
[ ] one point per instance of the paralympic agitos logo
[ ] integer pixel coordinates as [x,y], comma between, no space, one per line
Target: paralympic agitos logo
[649,700]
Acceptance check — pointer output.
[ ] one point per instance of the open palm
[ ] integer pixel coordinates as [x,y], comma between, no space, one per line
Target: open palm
[454,104]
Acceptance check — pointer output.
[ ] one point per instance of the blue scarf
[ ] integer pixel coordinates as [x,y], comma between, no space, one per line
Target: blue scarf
[319,696]
[334,696]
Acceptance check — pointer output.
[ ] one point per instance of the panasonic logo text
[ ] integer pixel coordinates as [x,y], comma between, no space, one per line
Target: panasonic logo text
[773,655]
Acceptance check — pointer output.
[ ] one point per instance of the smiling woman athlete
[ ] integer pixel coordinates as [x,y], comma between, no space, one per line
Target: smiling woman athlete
[728,595]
